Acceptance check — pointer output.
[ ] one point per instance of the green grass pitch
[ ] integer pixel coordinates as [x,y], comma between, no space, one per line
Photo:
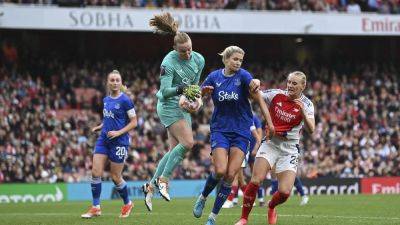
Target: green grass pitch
[321,210]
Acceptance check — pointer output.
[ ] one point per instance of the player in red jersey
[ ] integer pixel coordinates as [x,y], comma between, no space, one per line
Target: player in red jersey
[289,110]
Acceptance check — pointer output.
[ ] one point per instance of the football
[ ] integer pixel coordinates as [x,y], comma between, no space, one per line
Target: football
[190,106]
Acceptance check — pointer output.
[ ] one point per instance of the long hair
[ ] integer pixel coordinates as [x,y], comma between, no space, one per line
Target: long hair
[165,24]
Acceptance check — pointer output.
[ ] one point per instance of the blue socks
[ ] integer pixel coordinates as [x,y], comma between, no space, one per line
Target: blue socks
[299,186]
[96,190]
[260,193]
[211,182]
[123,191]
[222,195]
[274,186]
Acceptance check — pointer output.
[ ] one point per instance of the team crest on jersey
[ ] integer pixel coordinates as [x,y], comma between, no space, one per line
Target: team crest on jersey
[279,103]
[237,82]
[117,106]
[296,110]
[162,70]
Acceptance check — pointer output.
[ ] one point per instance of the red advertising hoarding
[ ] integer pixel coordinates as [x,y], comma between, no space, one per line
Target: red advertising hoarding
[380,185]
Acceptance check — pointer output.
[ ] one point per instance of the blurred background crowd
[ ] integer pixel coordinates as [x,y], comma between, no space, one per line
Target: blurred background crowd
[49,107]
[349,6]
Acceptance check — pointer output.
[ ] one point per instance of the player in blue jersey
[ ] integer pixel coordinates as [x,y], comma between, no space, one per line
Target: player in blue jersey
[230,89]
[119,117]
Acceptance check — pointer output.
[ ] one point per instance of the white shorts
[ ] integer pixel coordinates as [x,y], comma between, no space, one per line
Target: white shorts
[283,155]
[246,158]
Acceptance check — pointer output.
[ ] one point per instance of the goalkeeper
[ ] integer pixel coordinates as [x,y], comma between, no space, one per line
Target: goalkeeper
[179,74]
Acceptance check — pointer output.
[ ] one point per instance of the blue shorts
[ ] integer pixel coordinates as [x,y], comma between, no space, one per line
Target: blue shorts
[116,152]
[227,140]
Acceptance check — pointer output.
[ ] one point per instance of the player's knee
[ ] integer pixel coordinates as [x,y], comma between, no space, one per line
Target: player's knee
[255,180]
[117,178]
[284,190]
[188,144]
[220,172]
[96,172]
[229,177]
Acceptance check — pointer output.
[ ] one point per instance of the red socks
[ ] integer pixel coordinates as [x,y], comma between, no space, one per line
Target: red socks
[278,198]
[233,193]
[248,199]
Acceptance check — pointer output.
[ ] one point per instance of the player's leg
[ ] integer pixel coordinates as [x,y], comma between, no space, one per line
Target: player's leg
[274,182]
[99,159]
[266,156]
[182,131]
[300,190]
[286,168]
[148,188]
[235,159]
[230,201]
[261,190]
[260,170]
[116,167]
[172,141]
[220,162]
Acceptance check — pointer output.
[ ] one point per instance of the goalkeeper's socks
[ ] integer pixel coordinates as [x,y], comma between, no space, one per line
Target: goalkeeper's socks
[96,190]
[249,197]
[274,187]
[221,197]
[299,186]
[122,189]
[278,198]
[211,183]
[175,158]
[160,168]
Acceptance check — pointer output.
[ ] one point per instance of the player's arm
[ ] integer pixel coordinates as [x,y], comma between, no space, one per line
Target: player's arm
[207,87]
[166,77]
[257,137]
[96,128]
[308,116]
[257,96]
[254,85]
[130,111]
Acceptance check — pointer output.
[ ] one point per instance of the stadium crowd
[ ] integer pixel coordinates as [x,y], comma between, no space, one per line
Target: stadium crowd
[350,6]
[47,112]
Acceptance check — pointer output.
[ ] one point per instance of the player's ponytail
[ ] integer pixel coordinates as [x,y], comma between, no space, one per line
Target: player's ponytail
[165,24]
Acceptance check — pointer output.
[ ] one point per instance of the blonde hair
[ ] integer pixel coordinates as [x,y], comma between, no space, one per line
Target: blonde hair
[301,75]
[165,24]
[123,87]
[229,51]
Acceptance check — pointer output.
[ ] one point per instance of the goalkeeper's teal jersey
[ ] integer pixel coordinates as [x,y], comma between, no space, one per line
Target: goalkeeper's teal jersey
[174,72]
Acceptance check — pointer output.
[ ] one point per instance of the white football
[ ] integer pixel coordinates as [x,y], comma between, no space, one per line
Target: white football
[190,106]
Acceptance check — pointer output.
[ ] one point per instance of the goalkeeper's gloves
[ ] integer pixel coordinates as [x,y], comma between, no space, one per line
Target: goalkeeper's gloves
[191,92]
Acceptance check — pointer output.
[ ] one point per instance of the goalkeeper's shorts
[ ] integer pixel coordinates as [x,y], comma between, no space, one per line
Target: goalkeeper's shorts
[169,113]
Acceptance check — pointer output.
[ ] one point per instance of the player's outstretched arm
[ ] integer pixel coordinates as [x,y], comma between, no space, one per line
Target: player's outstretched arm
[257,96]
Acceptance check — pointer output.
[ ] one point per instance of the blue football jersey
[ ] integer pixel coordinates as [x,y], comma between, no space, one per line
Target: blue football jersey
[232,110]
[116,116]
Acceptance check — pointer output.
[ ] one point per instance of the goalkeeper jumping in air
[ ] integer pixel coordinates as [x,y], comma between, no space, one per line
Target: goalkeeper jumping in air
[179,74]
